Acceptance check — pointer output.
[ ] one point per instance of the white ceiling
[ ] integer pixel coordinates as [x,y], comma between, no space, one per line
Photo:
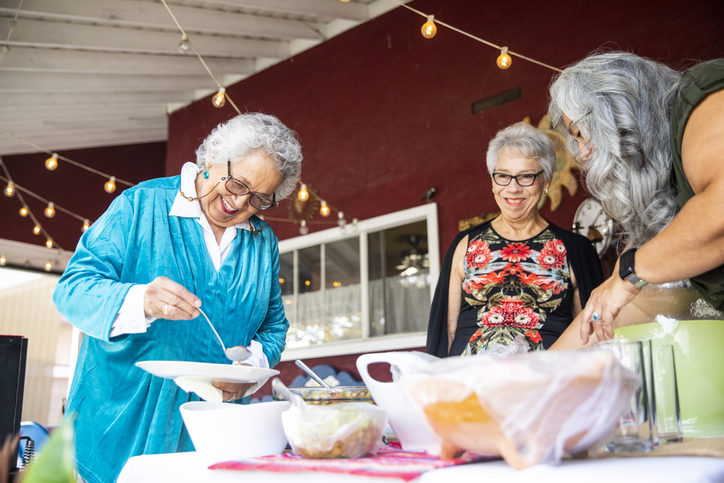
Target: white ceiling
[88,73]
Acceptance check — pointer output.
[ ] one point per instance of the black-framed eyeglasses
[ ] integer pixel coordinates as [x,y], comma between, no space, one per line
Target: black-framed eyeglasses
[237,188]
[524,180]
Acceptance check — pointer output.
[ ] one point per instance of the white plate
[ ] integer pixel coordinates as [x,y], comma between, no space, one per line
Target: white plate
[205,370]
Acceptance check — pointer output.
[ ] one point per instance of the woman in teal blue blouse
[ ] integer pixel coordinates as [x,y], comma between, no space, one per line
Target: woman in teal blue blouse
[163,249]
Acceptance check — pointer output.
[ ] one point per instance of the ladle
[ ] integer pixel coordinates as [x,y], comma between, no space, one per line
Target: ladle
[238,353]
[311,373]
[296,400]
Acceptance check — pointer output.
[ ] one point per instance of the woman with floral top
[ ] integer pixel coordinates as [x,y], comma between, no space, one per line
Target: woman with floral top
[517,275]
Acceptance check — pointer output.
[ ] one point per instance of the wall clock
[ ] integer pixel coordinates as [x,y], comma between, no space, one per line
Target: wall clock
[592,222]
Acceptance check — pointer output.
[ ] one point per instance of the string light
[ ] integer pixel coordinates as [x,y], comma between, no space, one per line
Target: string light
[49,243]
[345,1]
[52,162]
[48,266]
[303,228]
[86,225]
[340,219]
[220,98]
[281,280]
[3,260]
[504,59]
[324,209]
[50,210]
[110,185]
[184,46]
[10,189]
[24,211]
[429,29]
[36,229]
[303,194]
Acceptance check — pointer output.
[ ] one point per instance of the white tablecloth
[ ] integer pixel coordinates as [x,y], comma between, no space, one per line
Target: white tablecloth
[192,467]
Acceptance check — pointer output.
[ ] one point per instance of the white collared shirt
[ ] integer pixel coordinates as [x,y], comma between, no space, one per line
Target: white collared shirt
[131,318]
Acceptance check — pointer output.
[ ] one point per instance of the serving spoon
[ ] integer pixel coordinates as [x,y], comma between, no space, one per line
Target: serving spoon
[237,353]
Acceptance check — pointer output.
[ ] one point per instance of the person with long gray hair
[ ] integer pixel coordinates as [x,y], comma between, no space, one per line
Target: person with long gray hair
[165,250]
[650,141]
[518,276]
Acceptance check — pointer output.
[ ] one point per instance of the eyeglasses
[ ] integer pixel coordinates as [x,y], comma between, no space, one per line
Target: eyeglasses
[523,180]
[237,188]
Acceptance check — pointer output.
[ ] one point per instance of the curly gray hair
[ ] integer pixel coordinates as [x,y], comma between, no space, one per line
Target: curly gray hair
[240,136]
[527,140]
[621,103]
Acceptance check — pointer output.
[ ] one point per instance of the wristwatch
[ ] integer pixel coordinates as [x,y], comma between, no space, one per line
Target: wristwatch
[626,269]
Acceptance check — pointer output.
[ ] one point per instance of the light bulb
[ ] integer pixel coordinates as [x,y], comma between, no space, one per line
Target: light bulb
[345,1]
[340,219]
[110,185]
[24,211]
[303,228]
[3,260]
[303,194]
[36,229]
[219,98]
[48,266]
[52,162]
[429,29]
[10,189]
[86,225]
[504,59]
[50,210]
[281,280]
[324,209]
[49,243]
[184,46]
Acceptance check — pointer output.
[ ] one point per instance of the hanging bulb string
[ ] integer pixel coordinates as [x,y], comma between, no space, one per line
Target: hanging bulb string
[309,222]
[497,47]
[203,62]
[13,22]
[312,193]
[40,198]
[67,160]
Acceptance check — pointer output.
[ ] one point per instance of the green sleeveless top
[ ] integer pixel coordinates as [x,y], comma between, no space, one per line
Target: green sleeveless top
[699,81]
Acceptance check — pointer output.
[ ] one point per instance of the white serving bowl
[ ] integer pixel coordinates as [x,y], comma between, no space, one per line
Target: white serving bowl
[235,430]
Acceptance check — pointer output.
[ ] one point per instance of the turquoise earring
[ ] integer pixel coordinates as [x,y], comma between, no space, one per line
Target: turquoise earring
[206,175]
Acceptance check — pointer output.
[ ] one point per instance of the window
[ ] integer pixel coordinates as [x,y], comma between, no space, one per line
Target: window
[360,288]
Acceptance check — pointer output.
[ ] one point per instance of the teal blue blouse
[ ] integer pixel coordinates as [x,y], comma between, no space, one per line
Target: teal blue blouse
[122,410]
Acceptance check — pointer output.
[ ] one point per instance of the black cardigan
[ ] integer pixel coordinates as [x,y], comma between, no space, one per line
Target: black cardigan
[582,257]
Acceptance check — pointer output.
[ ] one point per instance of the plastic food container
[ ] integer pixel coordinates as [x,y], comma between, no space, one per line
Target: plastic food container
[345,430]
[321,396]
[235,430]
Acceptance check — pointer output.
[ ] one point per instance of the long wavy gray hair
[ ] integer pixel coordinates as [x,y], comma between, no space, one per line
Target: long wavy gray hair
[244,134]
[621,103]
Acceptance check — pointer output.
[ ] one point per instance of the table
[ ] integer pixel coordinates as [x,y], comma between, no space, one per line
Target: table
[192,467]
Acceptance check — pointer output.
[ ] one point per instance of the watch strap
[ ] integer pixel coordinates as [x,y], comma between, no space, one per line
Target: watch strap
[627,270]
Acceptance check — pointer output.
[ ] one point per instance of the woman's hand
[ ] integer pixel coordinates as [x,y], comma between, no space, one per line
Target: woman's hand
[166,299]
[605,302]
[233,391]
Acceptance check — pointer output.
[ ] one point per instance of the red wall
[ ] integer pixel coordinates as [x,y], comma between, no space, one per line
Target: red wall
[383,114]
[72,188]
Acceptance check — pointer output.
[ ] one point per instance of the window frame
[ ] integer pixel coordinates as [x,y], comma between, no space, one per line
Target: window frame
[361,229]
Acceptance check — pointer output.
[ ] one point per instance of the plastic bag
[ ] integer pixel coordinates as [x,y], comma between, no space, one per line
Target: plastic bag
[345,430]
[528,408]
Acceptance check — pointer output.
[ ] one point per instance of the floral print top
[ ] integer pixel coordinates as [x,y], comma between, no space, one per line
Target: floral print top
[512,288]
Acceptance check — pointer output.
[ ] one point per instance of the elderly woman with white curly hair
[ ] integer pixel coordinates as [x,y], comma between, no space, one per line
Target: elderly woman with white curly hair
[517,276]
[651,143]
[164,249]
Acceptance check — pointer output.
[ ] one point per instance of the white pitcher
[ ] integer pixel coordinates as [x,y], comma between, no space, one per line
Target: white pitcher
[411,429]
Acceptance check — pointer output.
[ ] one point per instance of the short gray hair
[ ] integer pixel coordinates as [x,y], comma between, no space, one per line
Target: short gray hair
[621,103]
[241,135]
[528,141]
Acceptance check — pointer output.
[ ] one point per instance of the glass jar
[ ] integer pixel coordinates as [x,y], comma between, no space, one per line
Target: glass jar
[673,313]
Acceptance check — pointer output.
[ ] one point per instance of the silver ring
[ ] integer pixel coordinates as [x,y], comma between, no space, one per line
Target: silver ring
[165,309]
[595,316]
